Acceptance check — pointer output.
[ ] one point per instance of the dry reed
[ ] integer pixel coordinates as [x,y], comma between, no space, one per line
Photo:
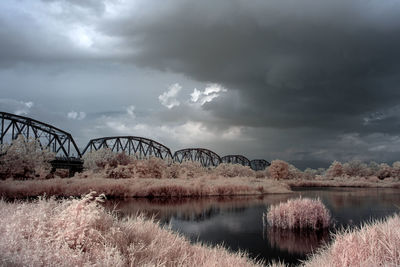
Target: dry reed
[135,187]
[374,244]
[298,214]
[82,233]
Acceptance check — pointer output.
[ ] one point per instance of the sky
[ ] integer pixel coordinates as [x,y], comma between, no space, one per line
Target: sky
[304,81]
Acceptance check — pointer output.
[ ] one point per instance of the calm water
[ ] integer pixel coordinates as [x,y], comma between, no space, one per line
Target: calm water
[237,222]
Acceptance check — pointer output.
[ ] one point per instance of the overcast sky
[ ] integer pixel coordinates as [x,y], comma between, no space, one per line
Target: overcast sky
[300,80]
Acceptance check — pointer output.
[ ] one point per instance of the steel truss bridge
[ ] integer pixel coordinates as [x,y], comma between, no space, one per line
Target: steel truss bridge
[131,145]
[49,137]
[236,159]
[68,155]
[259,164]
[207,158]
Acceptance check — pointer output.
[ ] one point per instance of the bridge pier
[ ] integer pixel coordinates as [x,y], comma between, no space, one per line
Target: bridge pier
[72,165]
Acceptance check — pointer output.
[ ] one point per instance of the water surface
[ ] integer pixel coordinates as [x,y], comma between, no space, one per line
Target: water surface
[237,222]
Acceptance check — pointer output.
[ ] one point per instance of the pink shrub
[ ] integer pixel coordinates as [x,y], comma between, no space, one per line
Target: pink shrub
[335,170]
[294,173]
[120,159]
[355,168]
[173,171]
[189,169]
[278,169]
[374,244]
[309,174]
[25,159]
[233,170]
[97,160]
[149,168]
[121,171]
[396,169]
[262,174]
[298,214]
[82,233]
[119,165]
[384,171]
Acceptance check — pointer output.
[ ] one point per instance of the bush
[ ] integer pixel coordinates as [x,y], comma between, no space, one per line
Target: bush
[149,168]
[25,159]
[396,169]
[355,168]
[233,170]
[373,244]
[335,170]
[298,214]
[278,169]
[82,233]
[294,173]
[384,171]
[98,159]
[310,174]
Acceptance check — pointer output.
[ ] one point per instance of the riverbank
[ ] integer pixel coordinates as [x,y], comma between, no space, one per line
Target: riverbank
[80,232]
[359,182]
[142,187]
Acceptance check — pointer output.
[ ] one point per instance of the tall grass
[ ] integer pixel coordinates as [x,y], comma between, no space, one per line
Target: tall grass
[133,187]
[373,244]
[82,233]
[298,214]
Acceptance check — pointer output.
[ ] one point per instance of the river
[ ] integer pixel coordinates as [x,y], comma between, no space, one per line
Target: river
[236,222]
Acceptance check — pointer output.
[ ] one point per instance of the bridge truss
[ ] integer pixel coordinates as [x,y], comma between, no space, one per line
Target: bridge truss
[236,159]
[207,158]
[131,145]
[69,156]
[259,164]
[49,137]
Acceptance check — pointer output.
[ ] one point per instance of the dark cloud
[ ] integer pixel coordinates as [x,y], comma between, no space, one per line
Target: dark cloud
[294,63]
[308,81]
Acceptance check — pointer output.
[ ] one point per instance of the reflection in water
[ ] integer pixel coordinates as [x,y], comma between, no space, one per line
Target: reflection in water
[295,241]
[237,221]
[188,209]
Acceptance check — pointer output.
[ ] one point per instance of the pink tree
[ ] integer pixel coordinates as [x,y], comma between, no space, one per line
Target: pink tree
[278,169]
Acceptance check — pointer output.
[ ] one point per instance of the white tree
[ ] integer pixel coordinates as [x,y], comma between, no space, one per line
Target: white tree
[24,159]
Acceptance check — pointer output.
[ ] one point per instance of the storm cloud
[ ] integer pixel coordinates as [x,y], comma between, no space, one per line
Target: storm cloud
[306,81]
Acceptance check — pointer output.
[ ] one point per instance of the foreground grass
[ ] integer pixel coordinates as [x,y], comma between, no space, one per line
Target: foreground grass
[143,187]
[374,244]
[81,233]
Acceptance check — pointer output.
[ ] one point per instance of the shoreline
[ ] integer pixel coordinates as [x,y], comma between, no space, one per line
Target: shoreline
[143,187]
[344,183]
[174,188]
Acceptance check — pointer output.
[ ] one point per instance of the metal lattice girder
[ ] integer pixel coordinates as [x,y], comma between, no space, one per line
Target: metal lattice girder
[131,145]
[236,159]
[259,164]
[48,136]
[206,157]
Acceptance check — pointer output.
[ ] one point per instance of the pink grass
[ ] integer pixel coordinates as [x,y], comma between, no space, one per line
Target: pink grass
[374,244]
[134,187]
[81,233]
[298,214]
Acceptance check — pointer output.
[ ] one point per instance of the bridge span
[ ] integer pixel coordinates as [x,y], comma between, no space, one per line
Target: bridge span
[68,155]
[61,143]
